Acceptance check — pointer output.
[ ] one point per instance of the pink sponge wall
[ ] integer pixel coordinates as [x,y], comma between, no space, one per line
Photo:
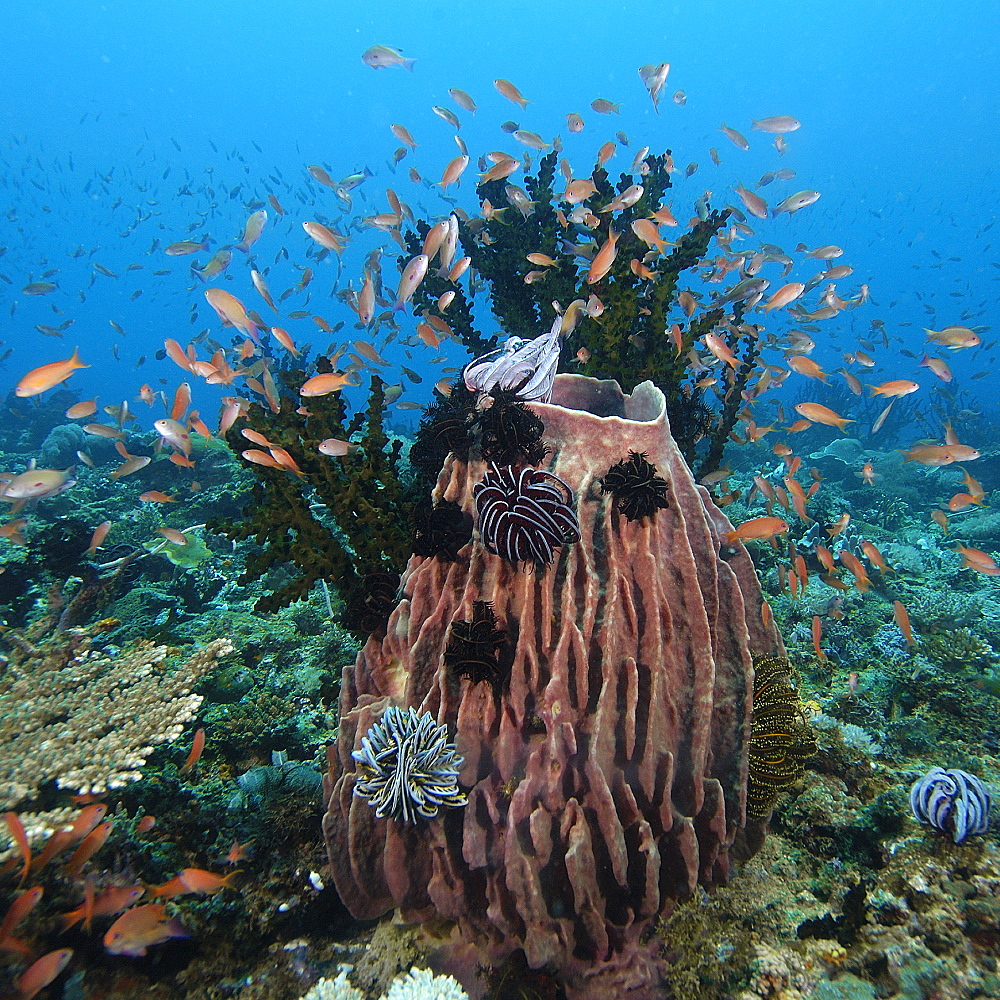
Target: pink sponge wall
[607,778]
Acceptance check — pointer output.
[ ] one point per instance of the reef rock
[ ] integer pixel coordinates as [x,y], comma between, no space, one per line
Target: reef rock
[607,775]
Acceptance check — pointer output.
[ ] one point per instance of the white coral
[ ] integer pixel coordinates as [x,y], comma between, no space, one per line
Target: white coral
[422,984]
[334,989]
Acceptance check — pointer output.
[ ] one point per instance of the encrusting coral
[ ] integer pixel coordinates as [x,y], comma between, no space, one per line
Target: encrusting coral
[85,719]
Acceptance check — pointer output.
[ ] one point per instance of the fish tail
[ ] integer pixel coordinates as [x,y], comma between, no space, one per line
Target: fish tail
[408,64]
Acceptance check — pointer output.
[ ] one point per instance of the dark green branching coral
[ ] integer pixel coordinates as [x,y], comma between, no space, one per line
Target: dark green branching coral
[780,738]
[344,518]
[641,333]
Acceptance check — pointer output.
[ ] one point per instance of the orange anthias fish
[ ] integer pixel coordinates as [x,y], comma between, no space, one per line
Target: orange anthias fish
[19,909]
[89,846]
[112,900]
[603,259]
[757,527]
[47,376]
[902,617]
[941,454]
[42,972]
[721,350]
[817,634]
[806,366]
[321,385]
[194,881]
[954,337]
[508,90]
[232,312]
[899,387]
[820,414]
[978,560]
[856,569]
[197,746]
[875,556]
[140,928]
[17,834]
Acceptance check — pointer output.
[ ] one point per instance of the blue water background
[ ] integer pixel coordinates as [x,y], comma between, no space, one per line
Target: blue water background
[898,103]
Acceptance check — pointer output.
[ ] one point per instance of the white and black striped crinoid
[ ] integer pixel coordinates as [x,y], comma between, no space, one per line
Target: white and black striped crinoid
[525,514]
[407,768]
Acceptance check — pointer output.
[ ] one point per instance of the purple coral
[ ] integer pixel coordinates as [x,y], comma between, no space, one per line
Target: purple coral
[952,801]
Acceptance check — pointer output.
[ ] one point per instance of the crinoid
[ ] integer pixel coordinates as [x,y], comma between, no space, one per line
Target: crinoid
[444,429]
[473,646]
[780,738]
[526,514]
[637,490]
[526,367]
[952,801]
[509,433]
[441,530]
[407,768]
[369,613]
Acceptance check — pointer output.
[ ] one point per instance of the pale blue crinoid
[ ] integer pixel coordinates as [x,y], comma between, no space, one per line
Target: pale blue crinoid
[952,801]
[406,766]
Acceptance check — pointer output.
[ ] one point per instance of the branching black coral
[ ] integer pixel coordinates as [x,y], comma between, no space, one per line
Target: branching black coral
[345,519]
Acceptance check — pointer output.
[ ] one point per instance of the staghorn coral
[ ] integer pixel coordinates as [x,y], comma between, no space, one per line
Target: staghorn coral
[87,720]
[957,649]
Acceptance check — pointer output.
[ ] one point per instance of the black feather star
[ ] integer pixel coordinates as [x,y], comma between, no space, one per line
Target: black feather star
[473,646]
[440,531]
[637,490]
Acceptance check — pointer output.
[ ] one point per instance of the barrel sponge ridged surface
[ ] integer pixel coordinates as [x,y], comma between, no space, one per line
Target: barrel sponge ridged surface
[607,778]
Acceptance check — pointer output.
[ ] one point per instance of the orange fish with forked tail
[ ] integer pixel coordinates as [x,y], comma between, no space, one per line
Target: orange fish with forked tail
[39,975]
[141,927]
[47,376]
[757,527]
[819,414]
[195,881]
[978,560]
